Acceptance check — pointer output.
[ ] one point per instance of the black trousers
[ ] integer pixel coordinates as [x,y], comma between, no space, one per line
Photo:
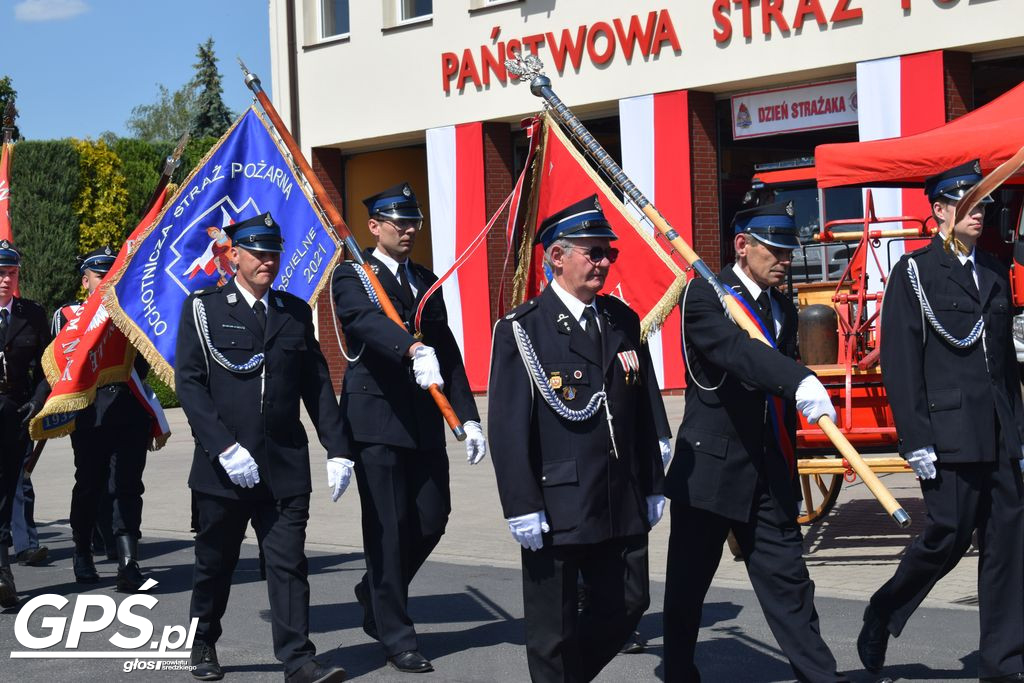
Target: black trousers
[562,645]
[405,501]
[14,442]
[988,497]
[772,546]
[281,529]
[109,459]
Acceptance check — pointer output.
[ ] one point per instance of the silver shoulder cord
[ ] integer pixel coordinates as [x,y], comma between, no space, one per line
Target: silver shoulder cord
[686,356]
[334,315]
[536,373]
[926,312]
[203,330]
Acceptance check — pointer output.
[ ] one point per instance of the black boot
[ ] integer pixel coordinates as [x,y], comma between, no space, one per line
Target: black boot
[129,576]
[81,561]
[8,592]
[873,640]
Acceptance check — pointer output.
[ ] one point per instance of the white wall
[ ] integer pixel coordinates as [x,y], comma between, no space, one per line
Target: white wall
[380,87]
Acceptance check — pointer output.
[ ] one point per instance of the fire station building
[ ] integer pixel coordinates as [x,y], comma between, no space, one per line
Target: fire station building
[691,97]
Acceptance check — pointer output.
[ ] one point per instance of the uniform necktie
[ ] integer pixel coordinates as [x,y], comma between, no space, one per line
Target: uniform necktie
[403,280]
[764,303]
[260,311]
[972,274]
[593,331]
[4,313]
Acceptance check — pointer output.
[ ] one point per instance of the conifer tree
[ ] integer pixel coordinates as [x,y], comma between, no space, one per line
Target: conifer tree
[212,118]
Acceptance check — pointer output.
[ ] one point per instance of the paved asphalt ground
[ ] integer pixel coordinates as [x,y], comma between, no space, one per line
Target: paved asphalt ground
[467,600]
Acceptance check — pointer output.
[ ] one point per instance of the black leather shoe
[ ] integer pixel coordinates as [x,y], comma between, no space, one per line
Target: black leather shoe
[635,645]
[369,623]
[8,592]
[410,662]
[85,570]
[1008,678]
[33,556]
[315,672]
[129,576]
[204,661]
[873,641]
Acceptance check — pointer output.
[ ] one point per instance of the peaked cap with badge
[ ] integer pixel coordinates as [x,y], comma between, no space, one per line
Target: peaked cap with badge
[580,219]
[952,184]
[9,256]
[772,224]
[398,202]
[99,260]
[259,233]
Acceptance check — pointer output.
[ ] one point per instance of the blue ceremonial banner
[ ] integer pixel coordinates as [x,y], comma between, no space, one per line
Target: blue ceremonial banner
[246,173]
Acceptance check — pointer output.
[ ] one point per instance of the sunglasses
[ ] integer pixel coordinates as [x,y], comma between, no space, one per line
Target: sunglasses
[597,254]
[404,224]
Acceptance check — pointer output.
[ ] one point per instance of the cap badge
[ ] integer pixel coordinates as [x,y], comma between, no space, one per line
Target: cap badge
[789,209]
[977,167]
[4,244]
[406,191]
[107,251]
[268,221]
[597,204]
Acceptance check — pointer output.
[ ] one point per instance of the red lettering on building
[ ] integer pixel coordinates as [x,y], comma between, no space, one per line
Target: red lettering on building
[805,7]
[600,41]
[720,13]
[604,30]
[636,36]
[771,10]
[844,12]
[665,32]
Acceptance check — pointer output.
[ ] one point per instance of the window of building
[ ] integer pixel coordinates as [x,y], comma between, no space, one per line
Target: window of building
[334,18]
[485,4]
[414,9]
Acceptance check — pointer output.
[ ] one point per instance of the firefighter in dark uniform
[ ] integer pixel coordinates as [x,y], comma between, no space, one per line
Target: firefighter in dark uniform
[575,449]
[733,469]
[949,369]
[24,336]
[110,441]
[399,435]
[246,355]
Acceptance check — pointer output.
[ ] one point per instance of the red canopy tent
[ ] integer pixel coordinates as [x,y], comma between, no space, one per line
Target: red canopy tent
[992,133]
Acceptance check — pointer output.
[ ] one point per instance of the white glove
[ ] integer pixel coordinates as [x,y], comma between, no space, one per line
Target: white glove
[666,451]
[922,461]
[813,401]
[425,368]
[241,468]
[655,509]
[527,529]
[339,474]
[476,445]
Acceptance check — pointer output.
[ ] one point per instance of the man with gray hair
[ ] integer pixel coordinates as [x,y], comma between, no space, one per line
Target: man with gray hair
[579,491]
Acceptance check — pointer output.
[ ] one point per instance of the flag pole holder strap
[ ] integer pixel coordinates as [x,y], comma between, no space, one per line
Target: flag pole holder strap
[203,328]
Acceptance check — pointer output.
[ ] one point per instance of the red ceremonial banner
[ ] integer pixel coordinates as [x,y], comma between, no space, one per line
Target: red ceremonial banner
[644,276]
[89,352]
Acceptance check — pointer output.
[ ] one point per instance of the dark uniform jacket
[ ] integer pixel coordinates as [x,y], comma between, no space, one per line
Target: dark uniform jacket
[568,469]
[965,405]
[726,443]
[380,398]
[21,374]
[224,407]
[115,404]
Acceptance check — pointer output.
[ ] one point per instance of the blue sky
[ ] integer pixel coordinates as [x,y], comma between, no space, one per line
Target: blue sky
[79,66]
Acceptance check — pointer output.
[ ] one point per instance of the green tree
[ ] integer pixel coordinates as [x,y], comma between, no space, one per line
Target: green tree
[212,117]
[46,178]
[167,118]
[8,93]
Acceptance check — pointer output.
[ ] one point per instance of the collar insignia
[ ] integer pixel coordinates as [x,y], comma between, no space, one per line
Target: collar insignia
[232,298]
